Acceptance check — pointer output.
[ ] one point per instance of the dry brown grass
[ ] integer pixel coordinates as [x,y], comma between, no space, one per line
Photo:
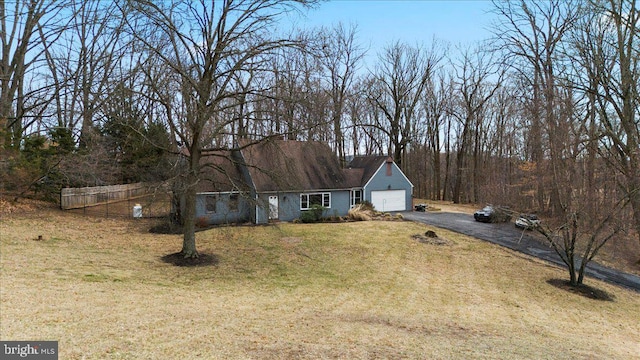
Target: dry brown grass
[359,213]
[352,290]
[447,206]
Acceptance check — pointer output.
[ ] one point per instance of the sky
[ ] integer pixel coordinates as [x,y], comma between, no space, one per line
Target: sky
[381,22]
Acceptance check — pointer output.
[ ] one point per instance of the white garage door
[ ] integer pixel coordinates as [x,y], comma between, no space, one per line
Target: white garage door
[389,200]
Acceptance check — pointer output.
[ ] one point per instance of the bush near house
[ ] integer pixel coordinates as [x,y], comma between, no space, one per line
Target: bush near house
[312,215]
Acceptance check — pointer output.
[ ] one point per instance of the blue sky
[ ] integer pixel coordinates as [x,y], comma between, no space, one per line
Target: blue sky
[381,22]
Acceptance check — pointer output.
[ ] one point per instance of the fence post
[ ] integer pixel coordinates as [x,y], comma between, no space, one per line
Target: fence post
[107,216]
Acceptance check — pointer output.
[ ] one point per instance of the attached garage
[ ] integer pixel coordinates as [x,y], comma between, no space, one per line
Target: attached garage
[389,200]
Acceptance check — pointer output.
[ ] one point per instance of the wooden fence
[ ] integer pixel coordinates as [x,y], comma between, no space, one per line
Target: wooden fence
[77,198]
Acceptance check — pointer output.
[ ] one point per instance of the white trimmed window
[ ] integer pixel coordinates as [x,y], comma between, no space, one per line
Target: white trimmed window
[356,197]
[308,200]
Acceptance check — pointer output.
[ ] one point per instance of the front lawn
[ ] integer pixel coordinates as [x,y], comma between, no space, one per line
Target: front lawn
[357,290]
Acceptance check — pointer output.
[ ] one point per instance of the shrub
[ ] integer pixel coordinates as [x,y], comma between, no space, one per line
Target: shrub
[360,212]
[366,205]
[312,215]
[202,222]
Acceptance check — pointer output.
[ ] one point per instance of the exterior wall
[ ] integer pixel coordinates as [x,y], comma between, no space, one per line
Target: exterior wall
[339,203]
[289,205]
[397,181]
[223,214]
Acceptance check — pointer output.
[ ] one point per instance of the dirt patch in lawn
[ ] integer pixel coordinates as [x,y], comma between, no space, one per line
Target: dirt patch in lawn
[178,259]
[430,237]
[582,290]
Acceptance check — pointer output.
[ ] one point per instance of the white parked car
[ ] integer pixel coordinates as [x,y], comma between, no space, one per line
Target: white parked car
[527,221]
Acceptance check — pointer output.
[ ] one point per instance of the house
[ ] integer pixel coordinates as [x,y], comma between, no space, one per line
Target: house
[222,194]
[279,179]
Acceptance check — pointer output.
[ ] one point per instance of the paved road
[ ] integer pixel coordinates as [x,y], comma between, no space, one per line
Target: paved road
[507,235]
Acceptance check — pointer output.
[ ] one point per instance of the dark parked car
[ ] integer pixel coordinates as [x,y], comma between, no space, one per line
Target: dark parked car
[484,214]
[527,221]
[492,214]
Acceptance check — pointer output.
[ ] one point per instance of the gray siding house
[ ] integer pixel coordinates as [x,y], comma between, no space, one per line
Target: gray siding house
[276,180]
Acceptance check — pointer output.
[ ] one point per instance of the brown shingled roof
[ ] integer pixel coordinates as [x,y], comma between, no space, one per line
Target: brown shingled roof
[220,173]
[284,165]
[287,165]
[369,165]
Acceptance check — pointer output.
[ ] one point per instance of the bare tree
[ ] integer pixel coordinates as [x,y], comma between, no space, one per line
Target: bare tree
[536,38]
[579,238]
[206,45]
[607,46]
[400,81]
[585,223]
[477,79]
[530,35]
[363,114]
[341,57]
[298,102]
[24,25]
[437,105]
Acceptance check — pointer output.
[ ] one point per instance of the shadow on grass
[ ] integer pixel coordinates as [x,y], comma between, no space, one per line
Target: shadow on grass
[582,290]
[166,227]
[169,227]
[177,259]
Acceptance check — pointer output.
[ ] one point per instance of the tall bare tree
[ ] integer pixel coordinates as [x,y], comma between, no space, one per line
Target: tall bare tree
[341,56]
[437,106]
[530,34]
[583,224]
[24,25]
[608,51]
[477,80]
[537,36]
[400,80]
[206,45]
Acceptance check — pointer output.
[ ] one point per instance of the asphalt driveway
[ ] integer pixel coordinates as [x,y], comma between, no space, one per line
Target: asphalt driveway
[509,236]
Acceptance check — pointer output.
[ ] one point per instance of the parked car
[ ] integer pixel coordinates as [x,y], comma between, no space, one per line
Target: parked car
[485,214]
[527,221]
[492,214]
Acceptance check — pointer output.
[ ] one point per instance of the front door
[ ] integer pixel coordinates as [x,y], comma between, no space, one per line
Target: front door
[273,207]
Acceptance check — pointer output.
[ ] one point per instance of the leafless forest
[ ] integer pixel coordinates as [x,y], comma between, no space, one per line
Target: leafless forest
[543,116]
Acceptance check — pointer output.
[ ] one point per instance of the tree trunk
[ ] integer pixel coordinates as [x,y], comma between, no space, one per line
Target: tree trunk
[447,161]
[189,231]
[436,174]
[573,279]
[457,187]
[634,194]
[569,250]
[189,220]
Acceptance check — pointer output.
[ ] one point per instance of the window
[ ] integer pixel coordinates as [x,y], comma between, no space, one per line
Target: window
[308,200]
[389,169]
[356,197]
[210,202]
[233,202]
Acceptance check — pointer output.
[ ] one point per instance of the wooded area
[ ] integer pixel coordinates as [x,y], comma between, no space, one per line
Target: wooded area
[543,116]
